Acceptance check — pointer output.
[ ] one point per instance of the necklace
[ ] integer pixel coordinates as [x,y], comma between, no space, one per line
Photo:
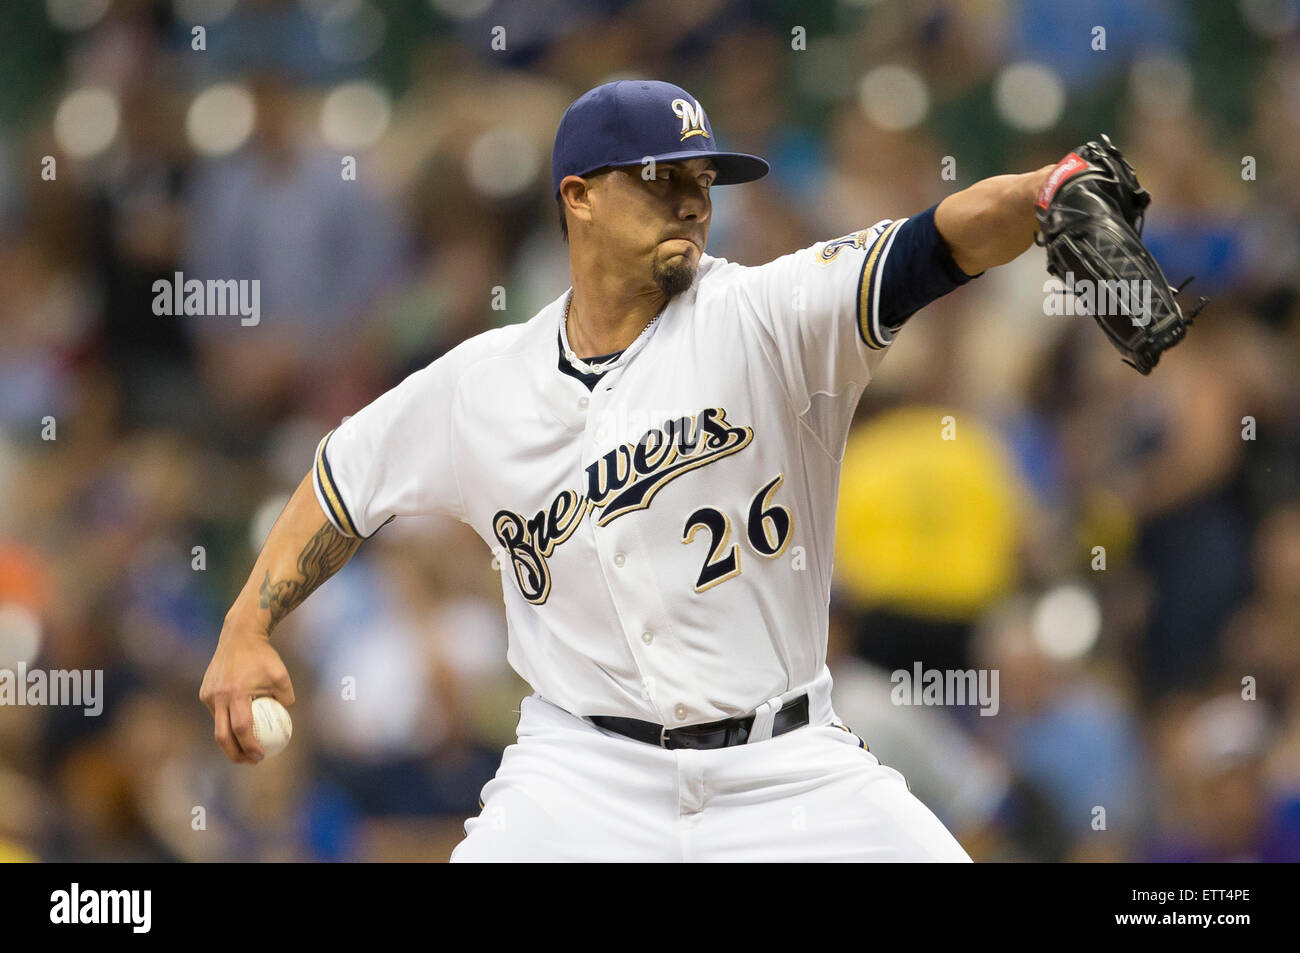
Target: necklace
[626,354]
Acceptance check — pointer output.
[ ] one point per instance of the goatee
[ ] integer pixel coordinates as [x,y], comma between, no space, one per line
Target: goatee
[673,277]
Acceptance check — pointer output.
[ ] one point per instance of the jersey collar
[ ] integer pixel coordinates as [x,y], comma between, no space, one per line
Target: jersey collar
[587,369]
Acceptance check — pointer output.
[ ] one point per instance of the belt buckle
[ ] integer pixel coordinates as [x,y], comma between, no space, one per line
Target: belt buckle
[663,737]
[742,732]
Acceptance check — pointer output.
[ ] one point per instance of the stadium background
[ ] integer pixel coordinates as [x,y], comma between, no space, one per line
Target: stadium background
[1120,687]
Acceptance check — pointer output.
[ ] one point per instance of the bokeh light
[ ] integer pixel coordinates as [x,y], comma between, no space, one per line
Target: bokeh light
[75,14]
[894,97]
[220,119]
[502,162]
[1067,622]
[460,9]
[1029,97]
[264,517]
[204,12]
[355,115]
[1271,18]
[86,122]
[1162,84]
[20,635]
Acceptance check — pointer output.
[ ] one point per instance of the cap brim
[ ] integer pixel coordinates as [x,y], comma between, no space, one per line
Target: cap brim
[733,167]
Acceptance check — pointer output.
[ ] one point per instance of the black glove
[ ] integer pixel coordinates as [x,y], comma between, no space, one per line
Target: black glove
[1090,221]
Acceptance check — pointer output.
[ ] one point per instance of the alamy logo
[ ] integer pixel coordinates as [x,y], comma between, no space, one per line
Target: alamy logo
[948,687]
[1085,296]
[178,296]
[77,687]
[692,117]
[74,906]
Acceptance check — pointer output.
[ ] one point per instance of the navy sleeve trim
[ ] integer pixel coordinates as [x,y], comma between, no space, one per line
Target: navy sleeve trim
[919,269]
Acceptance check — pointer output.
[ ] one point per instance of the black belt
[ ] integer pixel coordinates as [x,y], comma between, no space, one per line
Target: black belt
[715,734]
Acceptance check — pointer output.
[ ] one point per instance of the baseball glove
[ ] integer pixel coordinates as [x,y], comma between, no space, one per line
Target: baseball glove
[1090,213]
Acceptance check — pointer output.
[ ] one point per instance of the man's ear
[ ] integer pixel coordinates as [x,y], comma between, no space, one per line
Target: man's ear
[575,192]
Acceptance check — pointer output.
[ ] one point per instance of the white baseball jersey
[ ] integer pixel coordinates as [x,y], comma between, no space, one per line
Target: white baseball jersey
[665,539]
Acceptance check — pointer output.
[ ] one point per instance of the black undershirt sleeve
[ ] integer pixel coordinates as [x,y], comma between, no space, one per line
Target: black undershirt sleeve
[919,269]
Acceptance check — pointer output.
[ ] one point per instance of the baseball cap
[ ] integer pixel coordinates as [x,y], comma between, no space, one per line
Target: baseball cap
[624,122]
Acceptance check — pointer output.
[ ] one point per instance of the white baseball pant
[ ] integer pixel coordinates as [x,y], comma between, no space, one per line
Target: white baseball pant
[569,791]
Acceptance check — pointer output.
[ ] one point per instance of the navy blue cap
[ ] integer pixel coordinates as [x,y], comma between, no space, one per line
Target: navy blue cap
[622,123]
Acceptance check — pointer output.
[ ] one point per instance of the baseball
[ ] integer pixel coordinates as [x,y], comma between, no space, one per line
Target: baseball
[272,725]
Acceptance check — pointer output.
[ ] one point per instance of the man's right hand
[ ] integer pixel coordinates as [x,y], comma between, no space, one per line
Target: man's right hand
[302,551]
[243,667]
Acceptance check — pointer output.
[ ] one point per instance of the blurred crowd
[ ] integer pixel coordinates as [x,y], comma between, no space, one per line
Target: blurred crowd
[1123,550]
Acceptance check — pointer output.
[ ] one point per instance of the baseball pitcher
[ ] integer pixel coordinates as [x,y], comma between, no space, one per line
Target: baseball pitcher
[654,458]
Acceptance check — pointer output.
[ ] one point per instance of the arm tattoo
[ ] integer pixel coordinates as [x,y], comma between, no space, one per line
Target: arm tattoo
[323,556]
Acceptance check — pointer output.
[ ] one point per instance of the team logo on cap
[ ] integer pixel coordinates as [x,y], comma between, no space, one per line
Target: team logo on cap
[692,117]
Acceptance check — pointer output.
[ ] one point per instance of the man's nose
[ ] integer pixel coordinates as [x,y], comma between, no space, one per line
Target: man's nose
[693,206]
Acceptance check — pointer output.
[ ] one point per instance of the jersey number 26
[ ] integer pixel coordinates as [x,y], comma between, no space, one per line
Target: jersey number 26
[767,528]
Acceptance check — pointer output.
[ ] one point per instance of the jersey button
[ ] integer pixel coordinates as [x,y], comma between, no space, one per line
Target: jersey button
[680,712]
[620,560]
[647,637]
[583,403]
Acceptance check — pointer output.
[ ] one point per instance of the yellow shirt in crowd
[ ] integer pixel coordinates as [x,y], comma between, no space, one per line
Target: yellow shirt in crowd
[927,525]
